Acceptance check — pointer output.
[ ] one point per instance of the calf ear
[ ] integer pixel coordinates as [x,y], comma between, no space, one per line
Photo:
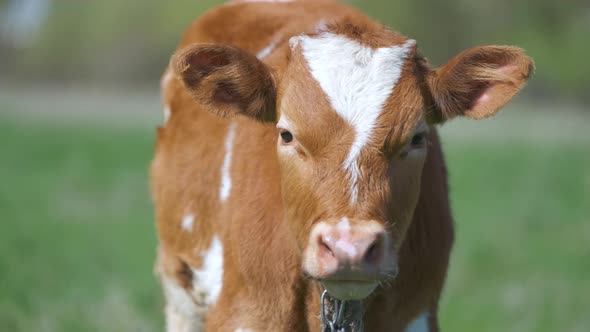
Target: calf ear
[227,80]
[478,82]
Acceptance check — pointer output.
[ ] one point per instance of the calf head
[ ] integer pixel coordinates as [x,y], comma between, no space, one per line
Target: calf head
[352,113]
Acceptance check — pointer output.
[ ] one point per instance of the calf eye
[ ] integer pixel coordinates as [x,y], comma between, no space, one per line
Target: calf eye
[419,140]
[286,136]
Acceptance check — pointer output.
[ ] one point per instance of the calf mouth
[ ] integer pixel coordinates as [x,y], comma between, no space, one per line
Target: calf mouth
[349,289]
[352,285]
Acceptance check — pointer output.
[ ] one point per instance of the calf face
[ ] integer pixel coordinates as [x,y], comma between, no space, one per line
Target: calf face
[352,117]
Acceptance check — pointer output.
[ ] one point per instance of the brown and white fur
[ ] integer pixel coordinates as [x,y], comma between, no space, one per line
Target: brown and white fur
[299,153]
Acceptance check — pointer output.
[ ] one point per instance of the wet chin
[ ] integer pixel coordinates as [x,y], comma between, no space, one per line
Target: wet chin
[346,290]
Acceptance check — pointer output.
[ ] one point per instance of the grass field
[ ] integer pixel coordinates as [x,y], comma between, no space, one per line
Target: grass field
[78,238]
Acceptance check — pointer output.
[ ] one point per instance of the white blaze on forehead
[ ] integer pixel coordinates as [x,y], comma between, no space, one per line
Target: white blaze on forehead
[357,80]
[187,223]
[420,324]
[225,187]
[208,280]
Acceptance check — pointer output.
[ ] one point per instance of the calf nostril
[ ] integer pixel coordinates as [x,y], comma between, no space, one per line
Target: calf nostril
[323,246]
[374,252]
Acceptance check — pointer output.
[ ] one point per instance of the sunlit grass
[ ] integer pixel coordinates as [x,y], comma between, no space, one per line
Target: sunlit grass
[521,258]
[77,245]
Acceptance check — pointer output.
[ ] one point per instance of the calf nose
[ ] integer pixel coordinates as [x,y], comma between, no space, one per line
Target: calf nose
[358,249]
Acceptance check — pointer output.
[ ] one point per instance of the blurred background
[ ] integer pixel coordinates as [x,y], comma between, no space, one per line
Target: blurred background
[79,104]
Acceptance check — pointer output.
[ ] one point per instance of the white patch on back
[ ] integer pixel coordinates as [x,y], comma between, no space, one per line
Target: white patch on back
[208,280]
[187,223]
[239,329]
[357,80]
[225,187]
[420,324]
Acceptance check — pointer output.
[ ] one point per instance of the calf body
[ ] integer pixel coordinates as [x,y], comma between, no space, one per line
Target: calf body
[299,154]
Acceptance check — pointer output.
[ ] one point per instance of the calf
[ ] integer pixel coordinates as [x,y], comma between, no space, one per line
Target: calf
[299,154]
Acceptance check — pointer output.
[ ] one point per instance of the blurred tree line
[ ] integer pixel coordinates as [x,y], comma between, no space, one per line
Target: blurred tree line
[128,42]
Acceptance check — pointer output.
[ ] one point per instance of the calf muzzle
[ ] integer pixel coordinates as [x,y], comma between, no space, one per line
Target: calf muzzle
[349,257]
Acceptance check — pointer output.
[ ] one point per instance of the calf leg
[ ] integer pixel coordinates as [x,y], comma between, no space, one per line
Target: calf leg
[183,314]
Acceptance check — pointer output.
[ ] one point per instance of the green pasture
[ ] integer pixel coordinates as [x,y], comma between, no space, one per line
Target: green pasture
[77,241]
